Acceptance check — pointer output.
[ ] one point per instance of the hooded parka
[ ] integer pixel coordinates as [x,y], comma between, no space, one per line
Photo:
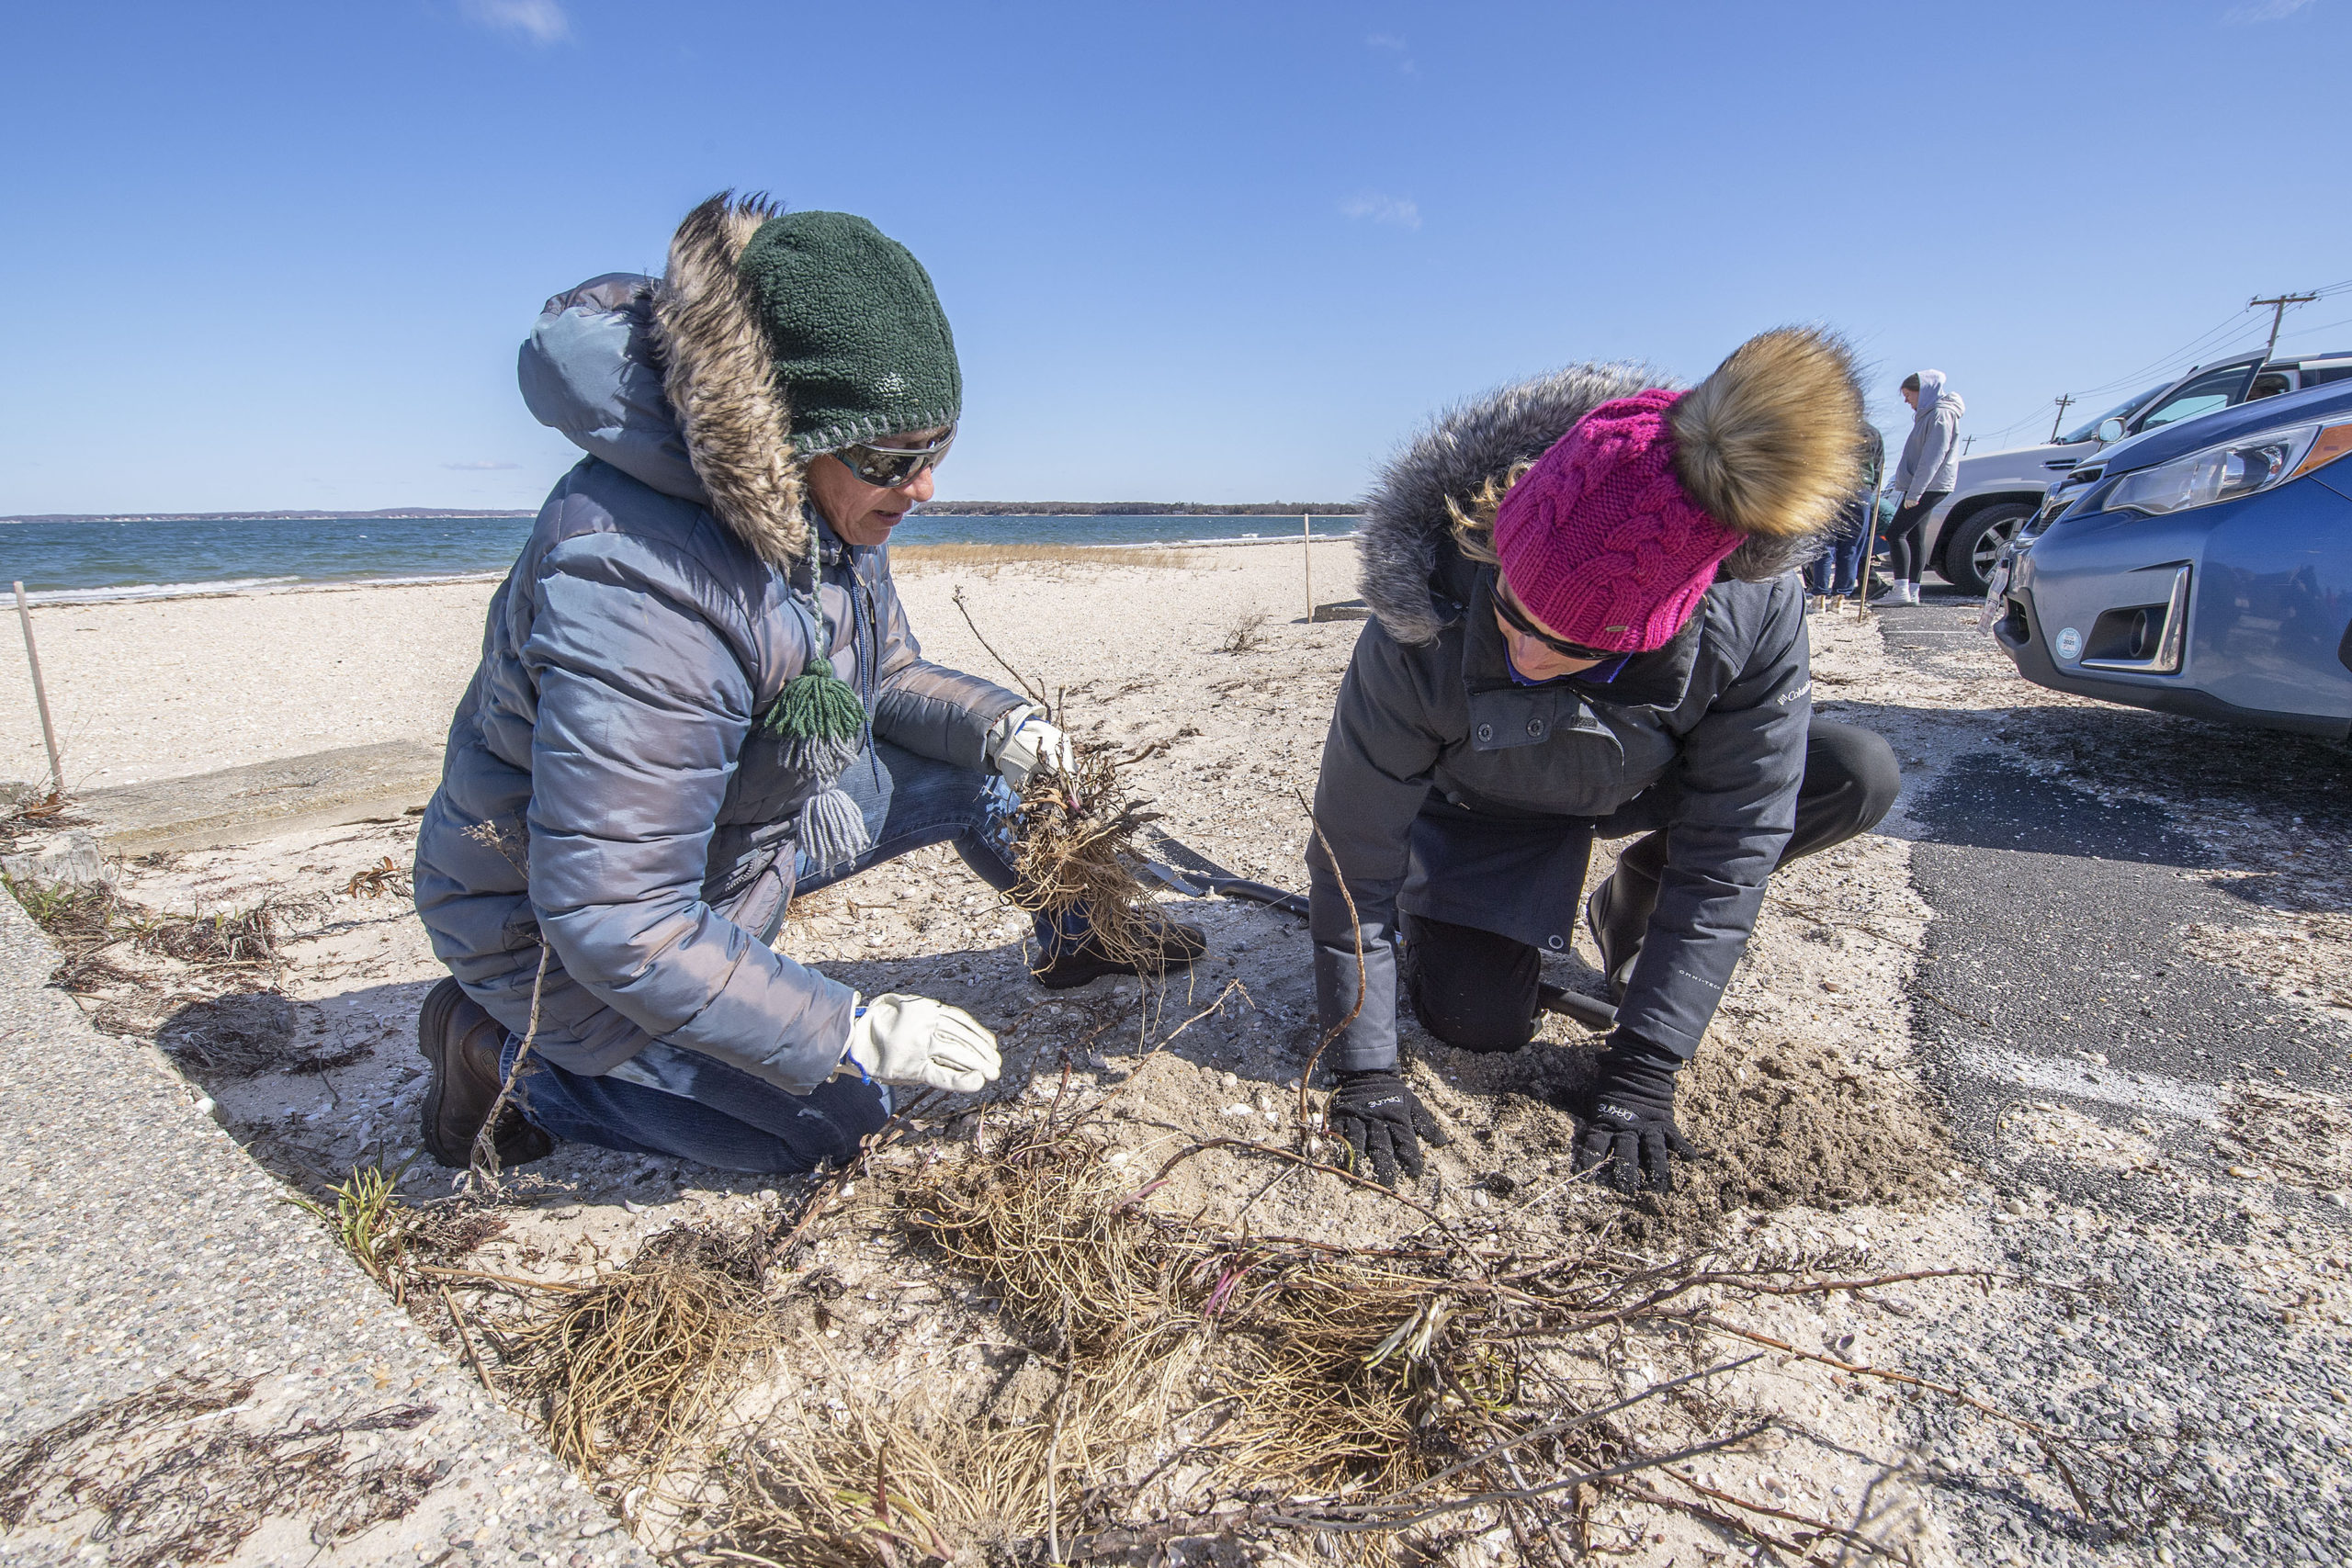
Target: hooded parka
[1930,460]
[1451,790]
[608,788]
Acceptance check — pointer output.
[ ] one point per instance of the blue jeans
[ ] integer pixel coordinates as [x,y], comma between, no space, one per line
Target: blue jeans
[666,1101]
[1838,570]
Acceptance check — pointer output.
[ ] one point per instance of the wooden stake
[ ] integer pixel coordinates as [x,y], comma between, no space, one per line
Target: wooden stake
[40,695]
[1305,552]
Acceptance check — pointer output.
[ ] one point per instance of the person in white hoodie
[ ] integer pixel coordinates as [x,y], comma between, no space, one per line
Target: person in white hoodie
[1930,467]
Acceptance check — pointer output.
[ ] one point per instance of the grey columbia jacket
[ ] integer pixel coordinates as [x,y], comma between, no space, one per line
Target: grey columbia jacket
[1453,792]
[1931,459]
[606,788]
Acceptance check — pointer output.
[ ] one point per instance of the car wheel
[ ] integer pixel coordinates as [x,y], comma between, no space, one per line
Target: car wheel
[1976,543]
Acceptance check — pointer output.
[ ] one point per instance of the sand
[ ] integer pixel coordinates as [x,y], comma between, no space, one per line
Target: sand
[156,689]
[1827,1152]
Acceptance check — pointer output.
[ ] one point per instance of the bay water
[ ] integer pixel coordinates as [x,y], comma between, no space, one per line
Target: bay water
[80,562]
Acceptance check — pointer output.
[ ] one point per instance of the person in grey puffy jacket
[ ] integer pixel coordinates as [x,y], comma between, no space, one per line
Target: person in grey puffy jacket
[699,693]
[1927,472]
[1586,623]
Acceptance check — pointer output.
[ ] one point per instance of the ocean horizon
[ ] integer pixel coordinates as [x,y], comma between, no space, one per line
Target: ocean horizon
[98,562]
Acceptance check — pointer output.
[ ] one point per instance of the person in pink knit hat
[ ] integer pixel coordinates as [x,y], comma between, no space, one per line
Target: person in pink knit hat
[1586,623]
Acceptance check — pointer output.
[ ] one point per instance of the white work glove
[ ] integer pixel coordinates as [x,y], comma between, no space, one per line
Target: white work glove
[1021,741]
[899,1039]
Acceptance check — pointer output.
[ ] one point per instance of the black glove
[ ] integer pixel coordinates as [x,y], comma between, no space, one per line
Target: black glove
[1631,1129]
[1381,1120]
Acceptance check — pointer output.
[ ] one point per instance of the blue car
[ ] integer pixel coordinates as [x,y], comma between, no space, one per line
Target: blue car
[2203,569]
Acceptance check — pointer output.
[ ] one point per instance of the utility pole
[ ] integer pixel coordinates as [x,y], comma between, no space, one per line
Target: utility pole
[1965,442]
[2278,303]
[2061,415]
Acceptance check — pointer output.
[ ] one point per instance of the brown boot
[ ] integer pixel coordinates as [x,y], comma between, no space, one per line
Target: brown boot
[461,1041]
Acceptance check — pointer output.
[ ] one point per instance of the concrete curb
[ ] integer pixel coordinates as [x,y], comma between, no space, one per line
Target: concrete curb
[142,1243]
[318,789]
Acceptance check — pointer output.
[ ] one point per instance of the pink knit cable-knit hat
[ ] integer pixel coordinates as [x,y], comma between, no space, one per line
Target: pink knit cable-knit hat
[1611,537]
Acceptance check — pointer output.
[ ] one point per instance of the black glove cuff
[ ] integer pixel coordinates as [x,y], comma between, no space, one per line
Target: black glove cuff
[1636,1081]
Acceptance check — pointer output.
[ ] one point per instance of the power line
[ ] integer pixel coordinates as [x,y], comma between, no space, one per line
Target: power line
[2186,354]
[2322,327]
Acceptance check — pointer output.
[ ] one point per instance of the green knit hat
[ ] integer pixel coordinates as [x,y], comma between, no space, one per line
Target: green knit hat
[862,348]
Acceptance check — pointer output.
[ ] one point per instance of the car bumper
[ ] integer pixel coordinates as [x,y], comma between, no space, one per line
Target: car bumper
[2020,634]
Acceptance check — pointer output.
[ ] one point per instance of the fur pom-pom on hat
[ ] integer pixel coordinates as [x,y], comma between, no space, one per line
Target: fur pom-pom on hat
[1611,537]
[1766,445]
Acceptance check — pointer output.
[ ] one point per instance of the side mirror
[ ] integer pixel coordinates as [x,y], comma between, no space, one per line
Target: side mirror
[2109,432]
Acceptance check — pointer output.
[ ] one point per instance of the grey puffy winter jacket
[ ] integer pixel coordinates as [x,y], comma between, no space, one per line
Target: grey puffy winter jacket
[1452,792]
[606,787]
[1931,459]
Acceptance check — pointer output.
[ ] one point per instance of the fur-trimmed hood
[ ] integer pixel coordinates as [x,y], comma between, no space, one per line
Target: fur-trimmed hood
[1771,476]
[672,381]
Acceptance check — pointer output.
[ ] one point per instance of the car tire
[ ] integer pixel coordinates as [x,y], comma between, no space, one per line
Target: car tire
[1972,547]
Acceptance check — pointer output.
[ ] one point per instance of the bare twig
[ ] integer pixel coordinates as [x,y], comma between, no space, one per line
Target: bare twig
[484,1166]
[473,1358]
[1033,690]
[1307,1075]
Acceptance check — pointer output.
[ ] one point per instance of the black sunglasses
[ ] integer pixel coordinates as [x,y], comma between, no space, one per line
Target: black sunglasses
[895,467]
[1520,619]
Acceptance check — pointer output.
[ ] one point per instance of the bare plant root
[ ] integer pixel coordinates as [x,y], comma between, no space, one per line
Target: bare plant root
[1075,847]
[637,1369]
[1213,1384]
[1076,850]
[146,1486]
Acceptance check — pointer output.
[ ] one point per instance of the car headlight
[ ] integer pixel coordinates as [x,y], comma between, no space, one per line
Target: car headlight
[2237,467]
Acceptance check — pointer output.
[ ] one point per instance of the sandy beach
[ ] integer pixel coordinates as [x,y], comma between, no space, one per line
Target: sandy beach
[1830,1157]
[158,689]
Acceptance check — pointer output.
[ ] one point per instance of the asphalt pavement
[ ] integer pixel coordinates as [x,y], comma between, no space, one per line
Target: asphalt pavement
[2066,852]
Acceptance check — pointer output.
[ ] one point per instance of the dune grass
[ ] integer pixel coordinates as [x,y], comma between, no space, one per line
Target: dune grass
[988,557]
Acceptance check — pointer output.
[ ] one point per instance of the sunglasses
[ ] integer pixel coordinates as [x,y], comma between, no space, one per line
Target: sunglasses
[1510,611]
[895,467]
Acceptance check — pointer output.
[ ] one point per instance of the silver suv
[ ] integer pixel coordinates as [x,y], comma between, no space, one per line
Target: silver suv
[1999,491]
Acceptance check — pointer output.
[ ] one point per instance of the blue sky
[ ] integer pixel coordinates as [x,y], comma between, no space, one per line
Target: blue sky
[280,255]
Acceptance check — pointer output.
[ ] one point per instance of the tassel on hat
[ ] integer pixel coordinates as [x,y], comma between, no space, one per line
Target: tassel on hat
[821,722]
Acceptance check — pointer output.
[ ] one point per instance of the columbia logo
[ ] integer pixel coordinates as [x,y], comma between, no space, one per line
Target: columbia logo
[890,386]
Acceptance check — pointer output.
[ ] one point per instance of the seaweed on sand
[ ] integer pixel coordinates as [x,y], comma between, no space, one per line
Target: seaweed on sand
[139,1480]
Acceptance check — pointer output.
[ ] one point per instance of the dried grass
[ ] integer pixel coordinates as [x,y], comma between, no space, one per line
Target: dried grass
[638,1368]
[88,920]
[987,558]
[137,1481]
[1208,1383]
[240,938]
